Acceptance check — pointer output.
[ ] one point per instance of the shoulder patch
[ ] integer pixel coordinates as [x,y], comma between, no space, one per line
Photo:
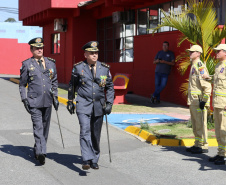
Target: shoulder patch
[199,64]
[51,59]
[105,65]
[26,60]
[78,63]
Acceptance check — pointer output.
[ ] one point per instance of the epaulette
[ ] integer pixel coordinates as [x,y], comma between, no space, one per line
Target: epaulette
[26,60]
[78,63]
[104,64]
[51,59]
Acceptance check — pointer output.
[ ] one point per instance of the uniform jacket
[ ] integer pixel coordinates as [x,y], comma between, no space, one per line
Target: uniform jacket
[197,85]
[39,83]
[219,88]
[90,91]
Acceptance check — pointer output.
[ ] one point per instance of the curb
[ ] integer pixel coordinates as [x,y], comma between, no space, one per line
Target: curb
[147,136]
[60,99]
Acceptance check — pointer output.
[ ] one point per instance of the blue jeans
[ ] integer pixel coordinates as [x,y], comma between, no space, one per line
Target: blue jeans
[160,84]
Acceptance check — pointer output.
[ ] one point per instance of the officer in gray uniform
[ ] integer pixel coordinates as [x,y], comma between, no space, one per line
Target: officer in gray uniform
[90,78]
[40,74]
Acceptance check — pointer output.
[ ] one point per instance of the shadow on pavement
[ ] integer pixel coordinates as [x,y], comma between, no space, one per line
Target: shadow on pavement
[27,153]
[202,159]
[68,160]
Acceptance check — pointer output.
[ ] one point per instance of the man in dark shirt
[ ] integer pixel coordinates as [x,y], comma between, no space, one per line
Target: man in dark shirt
[163,60]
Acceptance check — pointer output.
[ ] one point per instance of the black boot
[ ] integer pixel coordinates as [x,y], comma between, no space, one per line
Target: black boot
[191,148]
[213,159]
[199,151]
[220,161]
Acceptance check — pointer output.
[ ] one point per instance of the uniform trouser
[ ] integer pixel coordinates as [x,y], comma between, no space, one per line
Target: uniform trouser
[220,130]
[90,131]
[41,122]
[197,126]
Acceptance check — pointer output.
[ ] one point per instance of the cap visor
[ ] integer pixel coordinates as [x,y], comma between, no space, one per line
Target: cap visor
[37,45]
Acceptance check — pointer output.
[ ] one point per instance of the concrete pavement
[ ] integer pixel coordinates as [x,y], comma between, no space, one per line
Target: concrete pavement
[134,162]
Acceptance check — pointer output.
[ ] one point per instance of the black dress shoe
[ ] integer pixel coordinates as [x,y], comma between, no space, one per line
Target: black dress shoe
[213,159]
[86,165]
[199,150]
[152,99]
[94,166]
[191,148]
[220,161]
[41,158]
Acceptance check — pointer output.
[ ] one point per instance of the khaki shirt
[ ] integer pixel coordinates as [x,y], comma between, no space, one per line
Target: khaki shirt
[219,88]
[197,85]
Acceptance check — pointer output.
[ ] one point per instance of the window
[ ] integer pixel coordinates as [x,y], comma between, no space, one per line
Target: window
[115,41]
[56,43]
[149,18]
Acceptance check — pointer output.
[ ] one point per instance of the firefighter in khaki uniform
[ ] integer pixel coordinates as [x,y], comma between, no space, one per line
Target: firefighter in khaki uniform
[219,105]
[198,88]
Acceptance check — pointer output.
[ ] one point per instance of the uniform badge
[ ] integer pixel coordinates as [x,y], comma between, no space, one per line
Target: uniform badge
[199,64]
[193,71]
[103,81]
[38,40]
[94,44]
[32,68]
[222,69]
[201,69]
[51,73]
[82,72]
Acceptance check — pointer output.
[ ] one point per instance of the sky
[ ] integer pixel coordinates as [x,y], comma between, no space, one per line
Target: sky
[10,4]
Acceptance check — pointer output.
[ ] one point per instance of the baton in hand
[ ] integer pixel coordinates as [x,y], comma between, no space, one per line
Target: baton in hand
[54,100]
[109,147]
[60,129]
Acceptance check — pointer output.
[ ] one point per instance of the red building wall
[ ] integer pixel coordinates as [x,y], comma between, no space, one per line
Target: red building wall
[145,49]
[20,52]
[82,28]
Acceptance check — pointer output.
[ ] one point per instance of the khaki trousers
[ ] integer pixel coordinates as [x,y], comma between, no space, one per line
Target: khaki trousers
[197,126]
[220,130]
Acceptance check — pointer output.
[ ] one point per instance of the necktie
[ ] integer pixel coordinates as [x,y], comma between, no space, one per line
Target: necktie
[92,70]
[40,64]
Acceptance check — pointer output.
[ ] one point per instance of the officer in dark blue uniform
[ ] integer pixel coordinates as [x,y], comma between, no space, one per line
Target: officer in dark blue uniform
[90,78]
[40,74]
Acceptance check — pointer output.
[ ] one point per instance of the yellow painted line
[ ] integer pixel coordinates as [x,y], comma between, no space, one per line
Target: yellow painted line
[60,99]
[162,141]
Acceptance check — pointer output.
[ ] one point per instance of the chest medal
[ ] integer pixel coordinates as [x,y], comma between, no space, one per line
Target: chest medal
[103,81]
[222,70]
[51,73]
[32,68]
